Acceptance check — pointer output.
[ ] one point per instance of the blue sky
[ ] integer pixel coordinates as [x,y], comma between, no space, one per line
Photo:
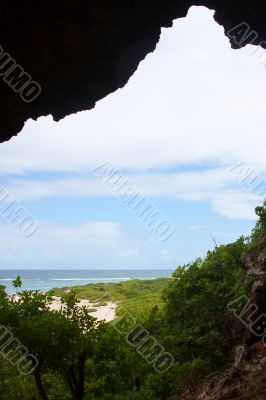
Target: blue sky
[194,109]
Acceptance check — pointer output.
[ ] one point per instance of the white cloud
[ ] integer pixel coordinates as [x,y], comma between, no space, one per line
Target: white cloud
[150,184]
[165,254]
[96,245]
[128,253]
[56,244]
[236,204]
[216,186]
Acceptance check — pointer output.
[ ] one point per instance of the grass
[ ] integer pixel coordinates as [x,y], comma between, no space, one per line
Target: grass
[135,296]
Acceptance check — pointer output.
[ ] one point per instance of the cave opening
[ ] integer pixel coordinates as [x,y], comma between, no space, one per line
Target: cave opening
[180,132]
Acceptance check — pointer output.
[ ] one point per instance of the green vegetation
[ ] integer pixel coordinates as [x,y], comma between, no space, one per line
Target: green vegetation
[260,228]
[136,296]
[81,359]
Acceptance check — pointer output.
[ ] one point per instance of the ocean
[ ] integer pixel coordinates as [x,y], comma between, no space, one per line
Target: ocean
[48,279]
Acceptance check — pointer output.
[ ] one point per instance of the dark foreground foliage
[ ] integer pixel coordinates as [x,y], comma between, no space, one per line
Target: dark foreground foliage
[80,358]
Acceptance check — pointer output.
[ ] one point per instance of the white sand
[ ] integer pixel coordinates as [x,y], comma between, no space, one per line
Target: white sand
[103,313]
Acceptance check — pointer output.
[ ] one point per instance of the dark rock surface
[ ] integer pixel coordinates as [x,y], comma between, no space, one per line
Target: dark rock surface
[244,381]
[256,276]
[79,51]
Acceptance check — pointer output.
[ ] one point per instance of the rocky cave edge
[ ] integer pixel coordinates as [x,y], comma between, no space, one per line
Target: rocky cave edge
[79,51]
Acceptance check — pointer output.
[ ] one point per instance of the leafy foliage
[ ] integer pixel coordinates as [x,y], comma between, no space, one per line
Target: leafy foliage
[260,228]
[80,358]
[196,305]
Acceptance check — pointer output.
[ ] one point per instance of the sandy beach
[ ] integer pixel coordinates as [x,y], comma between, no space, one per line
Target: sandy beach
[103,313]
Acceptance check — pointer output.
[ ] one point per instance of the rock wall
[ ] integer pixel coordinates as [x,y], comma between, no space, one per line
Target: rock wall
[244,381]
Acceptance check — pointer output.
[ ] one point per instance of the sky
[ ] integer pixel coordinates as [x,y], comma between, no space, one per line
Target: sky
[187,126]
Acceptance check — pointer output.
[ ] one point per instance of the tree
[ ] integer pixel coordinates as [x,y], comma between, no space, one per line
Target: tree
[84,339]
[61,341]
[260,228]
[17,283]
[198,322]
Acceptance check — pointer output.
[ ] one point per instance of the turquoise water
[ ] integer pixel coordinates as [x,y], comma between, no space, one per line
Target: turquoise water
[48,279]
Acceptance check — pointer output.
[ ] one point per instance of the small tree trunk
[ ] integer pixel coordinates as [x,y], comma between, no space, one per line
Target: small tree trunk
[39,384]
[82,361]
[77,384]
